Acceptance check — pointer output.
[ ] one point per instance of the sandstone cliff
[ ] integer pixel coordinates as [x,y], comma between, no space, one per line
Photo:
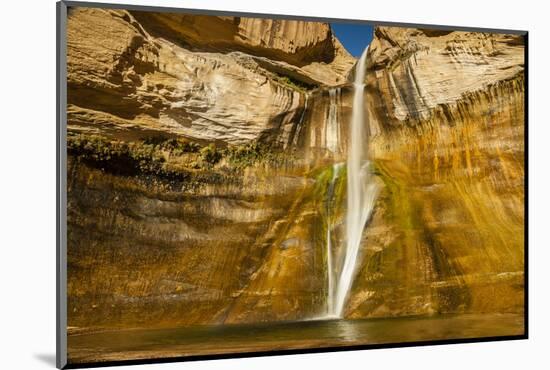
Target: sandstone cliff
[447,137]
[132,75]
[163,233]
[419,72]
[203,156]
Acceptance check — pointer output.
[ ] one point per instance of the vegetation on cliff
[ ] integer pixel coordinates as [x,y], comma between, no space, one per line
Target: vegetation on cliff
[294,83]
[174,158]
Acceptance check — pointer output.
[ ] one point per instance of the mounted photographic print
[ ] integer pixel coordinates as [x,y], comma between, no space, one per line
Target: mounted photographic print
[248,184]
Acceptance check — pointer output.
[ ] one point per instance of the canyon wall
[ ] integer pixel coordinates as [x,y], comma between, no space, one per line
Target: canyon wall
[155,252]
[447,139]
[205,170]
[205,78]
[182,208]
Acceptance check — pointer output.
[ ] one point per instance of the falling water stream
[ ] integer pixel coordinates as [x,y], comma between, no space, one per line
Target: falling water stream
[361,194]
[332,132]
[300,125]
[336,168]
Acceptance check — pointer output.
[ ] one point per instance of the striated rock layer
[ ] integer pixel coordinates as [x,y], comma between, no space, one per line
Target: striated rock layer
[447,125]
[156,252]
[202,234]
[209,78]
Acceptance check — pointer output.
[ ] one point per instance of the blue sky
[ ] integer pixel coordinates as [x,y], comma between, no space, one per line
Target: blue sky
[354,37]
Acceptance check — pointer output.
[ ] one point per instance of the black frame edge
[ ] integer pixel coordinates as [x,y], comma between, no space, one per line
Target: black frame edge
[61,194]
[526,187]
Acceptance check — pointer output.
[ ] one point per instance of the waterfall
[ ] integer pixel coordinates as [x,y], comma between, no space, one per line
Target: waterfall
[332,130]
[336,168]
[361,193]
[300,123]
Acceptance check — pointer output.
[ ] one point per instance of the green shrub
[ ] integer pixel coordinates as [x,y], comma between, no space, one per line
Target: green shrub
[172,145]
[210,154]
[174,157]
[116,156]
[294,83]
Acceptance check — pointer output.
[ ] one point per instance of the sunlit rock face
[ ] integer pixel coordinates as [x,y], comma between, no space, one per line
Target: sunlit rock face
[209,78]
[418,74]
[245,241]
[447,139]
[309,45]
[148,251]
[199,246]
[323,136]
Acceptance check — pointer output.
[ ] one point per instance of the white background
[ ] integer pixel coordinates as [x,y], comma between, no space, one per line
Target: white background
[27,209]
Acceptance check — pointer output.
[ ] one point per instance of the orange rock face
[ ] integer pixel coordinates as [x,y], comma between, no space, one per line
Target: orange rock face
[212,189]
[447,138]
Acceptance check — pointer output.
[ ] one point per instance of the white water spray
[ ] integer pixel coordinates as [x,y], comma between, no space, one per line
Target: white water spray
[361,193]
